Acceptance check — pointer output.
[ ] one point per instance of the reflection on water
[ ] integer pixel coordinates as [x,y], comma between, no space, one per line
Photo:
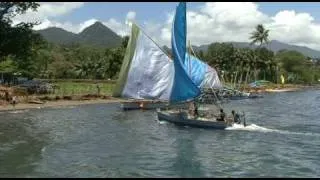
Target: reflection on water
[186,163]
[281,140]
[21,145]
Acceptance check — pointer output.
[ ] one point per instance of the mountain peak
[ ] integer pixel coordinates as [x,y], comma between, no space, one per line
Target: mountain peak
[97,27]
[98,23]
[97,35]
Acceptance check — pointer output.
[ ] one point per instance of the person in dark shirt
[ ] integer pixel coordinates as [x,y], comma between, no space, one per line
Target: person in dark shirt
[7,97]
[196,114]
[222,115]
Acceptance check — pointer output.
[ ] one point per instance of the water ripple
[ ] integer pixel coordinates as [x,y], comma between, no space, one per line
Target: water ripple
[281,140]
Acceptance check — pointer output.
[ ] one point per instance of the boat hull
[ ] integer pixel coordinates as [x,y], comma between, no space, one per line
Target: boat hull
[179,119]
[148,105]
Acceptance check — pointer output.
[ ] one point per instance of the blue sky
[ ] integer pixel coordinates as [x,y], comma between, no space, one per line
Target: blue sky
[104,10]
[156,10]
[295,23]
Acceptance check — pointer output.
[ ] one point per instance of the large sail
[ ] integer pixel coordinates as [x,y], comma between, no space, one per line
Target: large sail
[146,71]
[183,87]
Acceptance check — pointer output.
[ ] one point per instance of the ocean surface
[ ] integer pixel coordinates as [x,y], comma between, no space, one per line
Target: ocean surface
[282,139]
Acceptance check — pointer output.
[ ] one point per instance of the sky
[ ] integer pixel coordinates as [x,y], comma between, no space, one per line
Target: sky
[295,23]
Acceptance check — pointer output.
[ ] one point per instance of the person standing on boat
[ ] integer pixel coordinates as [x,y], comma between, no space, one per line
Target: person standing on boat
[196,114]
[236,117]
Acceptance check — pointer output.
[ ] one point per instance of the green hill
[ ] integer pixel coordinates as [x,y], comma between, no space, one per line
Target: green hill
[97,35]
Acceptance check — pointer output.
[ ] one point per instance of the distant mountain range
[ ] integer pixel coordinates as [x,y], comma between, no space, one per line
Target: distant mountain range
[97,35]
[102,36]
[274,45]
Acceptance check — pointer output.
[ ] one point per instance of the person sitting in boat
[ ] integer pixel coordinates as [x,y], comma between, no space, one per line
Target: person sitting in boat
[193,109]
[236,117]
[222,115]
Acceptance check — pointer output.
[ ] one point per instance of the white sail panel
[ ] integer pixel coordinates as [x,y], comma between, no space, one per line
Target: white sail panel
[151,72]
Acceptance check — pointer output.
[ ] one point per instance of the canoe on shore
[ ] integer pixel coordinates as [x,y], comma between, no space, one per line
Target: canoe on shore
[282,90]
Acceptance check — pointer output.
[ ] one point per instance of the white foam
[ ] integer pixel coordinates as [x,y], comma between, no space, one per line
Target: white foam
[43,149]
[162,122]
[251,127]
[18,111]
[256,128]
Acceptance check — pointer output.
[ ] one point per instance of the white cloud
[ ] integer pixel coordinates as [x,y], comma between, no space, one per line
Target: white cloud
[47,10]
[296,28]
[218,22]
[234,21]
[131,15]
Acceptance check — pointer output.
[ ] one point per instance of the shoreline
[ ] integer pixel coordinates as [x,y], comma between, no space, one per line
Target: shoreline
[59,103]
[77,102]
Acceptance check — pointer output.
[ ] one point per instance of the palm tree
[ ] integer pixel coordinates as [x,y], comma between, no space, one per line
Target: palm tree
[260,35]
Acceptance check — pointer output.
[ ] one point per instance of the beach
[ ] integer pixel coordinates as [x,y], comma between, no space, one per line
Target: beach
[58,103]
[108,99]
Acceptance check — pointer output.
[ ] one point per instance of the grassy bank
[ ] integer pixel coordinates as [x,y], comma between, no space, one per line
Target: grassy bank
[64,90]
[69,88]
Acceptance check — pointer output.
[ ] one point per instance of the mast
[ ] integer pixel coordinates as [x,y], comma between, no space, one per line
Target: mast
[189,49]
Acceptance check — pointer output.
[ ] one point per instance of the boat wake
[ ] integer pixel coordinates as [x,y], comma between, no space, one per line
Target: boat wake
[256,128]
[18,111]
[162,122]
[251,127]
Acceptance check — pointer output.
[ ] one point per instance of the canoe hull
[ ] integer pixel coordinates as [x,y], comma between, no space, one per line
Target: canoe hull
[245,97]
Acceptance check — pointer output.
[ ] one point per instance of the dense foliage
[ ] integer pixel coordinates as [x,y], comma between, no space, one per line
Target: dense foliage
[18,43]
[238,65]
[78,61]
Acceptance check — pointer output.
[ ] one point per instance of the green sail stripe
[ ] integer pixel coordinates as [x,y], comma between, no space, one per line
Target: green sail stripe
[126,61]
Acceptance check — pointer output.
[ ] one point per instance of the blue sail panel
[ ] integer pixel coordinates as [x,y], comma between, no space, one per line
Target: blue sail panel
[195,68]
[179,32]
[183,87]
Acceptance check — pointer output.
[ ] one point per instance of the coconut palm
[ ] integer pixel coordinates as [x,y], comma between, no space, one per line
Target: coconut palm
[260,35]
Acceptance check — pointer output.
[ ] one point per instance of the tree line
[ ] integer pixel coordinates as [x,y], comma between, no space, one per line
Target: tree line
[244,65]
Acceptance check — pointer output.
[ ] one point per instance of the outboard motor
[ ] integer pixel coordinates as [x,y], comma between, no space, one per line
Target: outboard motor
[244,119]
